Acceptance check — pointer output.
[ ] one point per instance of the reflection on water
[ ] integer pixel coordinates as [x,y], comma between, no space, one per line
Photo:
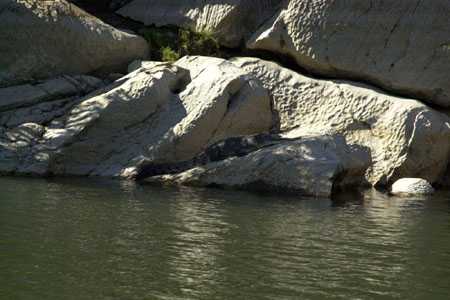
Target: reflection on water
[79,239]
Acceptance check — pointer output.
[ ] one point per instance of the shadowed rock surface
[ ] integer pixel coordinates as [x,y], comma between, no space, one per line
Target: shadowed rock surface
[231,147]
[232,21]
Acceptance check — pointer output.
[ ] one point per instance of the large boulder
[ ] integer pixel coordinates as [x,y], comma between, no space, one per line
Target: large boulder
[232,21]
[406,138]
[161,113]
[400,45]
[43,39]
[311,165]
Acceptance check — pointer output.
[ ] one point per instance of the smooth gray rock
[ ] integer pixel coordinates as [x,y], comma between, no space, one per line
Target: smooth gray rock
[44,39]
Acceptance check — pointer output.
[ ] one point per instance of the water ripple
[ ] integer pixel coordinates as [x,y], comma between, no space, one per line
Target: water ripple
[80,239]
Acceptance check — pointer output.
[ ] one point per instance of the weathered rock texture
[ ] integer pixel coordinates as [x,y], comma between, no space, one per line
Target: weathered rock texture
[405,137]
[411,186]
[401,45]
[311,165]
[43,39]
[26,110]
[231,20]
[198,116]
[43,101]
[164,113]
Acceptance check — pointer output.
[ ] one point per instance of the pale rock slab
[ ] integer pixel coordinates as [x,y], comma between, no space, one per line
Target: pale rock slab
[400,45]
[161,113]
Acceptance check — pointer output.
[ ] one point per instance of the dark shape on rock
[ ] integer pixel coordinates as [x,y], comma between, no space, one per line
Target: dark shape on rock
[231,147]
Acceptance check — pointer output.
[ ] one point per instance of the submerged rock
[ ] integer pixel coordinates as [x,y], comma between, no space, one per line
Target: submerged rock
[44,39]
[412,186]
[401,45]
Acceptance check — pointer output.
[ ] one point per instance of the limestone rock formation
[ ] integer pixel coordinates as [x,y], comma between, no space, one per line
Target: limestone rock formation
[231,20]
[406,138]
[400,45]
[411,186]
[163,113]
[311,165]
[44,39]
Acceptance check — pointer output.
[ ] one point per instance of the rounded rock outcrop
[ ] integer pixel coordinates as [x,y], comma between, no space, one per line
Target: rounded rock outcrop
[412,186]
[46,39]
[402,45]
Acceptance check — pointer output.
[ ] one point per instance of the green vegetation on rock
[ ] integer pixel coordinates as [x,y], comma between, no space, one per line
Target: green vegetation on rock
[168,54]
[170,43]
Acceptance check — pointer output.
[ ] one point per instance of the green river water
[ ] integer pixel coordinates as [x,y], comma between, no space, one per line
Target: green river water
[98,239]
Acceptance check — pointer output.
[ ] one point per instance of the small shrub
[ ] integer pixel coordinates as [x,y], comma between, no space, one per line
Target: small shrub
[168,54]
[159,39]
[198,43]
[170,43]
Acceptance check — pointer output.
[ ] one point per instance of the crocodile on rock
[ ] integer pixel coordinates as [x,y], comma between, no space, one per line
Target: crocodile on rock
[231,147]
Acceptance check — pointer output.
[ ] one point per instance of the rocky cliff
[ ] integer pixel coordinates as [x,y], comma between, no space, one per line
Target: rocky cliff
[361,102]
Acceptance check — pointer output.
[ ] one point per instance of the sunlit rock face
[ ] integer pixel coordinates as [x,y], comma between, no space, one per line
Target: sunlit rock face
[405,137]
[164,113]
[231,21]
[401,45]
[412,186]
[43,39]
[327,134]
